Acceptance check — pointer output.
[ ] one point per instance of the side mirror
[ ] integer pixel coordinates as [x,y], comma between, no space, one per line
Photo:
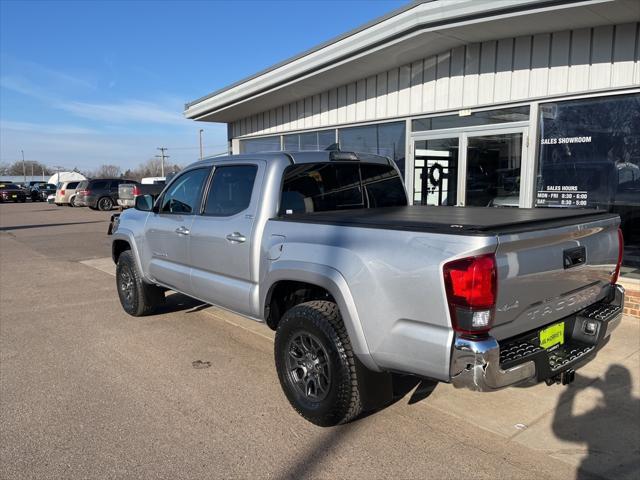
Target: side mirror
[144,203]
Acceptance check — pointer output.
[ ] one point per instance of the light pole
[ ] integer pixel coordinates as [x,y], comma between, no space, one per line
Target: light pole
[201,155]
[24,169]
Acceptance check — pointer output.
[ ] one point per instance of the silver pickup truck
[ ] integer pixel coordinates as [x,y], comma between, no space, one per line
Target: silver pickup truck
[359,286]
[127,192]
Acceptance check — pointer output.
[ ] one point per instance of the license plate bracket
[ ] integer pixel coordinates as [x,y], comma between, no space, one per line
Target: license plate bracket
[552,336]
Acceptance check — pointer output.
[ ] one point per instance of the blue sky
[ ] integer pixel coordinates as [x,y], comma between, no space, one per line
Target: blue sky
[85,83]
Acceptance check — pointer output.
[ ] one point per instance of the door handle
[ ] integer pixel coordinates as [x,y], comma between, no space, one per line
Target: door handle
[236,237]
[182,231]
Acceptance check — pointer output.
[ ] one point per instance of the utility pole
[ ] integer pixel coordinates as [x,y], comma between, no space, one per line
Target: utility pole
[201,155]
[58,168]
[24,169]
[162,156]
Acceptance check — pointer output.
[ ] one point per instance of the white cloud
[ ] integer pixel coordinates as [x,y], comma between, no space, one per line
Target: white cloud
[58,128]
[124,112]
[75,127]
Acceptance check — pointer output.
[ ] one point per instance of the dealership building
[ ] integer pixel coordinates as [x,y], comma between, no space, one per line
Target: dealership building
[511,103]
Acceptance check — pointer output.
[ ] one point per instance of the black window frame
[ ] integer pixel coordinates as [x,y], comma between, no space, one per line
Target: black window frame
[212,174]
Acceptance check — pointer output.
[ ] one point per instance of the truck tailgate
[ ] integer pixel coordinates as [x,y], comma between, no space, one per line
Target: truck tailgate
[547,274]
[125,191]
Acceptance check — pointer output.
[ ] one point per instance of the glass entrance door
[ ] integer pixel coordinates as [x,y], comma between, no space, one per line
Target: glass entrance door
[436,162]
[493,169]
[475,168]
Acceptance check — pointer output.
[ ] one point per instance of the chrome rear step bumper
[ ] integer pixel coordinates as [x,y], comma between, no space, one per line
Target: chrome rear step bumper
[484,364]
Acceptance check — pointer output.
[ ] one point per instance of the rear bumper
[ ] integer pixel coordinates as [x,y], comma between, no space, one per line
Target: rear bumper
[486,364]
[90,201]
[126,203]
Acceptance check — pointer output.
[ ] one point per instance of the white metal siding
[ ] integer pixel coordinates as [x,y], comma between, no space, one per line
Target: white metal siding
[510,69]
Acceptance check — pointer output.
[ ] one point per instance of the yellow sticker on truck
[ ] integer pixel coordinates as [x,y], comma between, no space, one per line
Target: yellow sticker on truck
[552,336]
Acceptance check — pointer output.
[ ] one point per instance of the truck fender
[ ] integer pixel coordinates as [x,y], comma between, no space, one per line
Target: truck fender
[127,235]
[331,280]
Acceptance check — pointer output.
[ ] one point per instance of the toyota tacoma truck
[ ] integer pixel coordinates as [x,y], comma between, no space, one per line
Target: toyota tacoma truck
[358,285]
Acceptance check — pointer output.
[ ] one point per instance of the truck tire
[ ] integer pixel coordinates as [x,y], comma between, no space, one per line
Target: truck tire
[316,365]
[137,297]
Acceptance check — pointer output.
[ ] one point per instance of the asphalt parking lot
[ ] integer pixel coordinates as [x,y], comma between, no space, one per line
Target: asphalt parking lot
[88,392]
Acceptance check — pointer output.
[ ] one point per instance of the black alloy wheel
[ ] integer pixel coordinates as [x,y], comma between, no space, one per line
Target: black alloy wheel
[308,366]
[105,204]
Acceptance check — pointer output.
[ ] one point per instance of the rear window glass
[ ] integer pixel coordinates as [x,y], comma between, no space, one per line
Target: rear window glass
[325,187]
[72,185]
[99,185]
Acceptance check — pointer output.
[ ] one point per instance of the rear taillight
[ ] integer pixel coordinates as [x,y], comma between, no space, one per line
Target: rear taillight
[136,191]
[61,192]
[471,288]
[616,273]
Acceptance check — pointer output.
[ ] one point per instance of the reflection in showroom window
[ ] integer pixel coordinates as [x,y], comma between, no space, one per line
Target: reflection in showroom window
[590,157]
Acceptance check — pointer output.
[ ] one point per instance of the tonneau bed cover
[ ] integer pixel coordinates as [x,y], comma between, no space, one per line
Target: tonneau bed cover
[462,220]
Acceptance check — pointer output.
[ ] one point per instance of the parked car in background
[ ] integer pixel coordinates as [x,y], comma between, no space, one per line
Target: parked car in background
[100,193]
[39,193]
[10,192]
[66,193]
[127,192]
[28,186]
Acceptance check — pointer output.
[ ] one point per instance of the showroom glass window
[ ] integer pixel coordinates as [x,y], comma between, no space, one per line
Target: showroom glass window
[589,156]
[318,140]
[387,139]
[264,144]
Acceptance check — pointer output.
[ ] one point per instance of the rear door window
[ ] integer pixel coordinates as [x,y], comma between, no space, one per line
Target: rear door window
[230,191]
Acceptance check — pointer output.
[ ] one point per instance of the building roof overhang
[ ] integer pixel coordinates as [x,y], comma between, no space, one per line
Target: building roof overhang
[419,30]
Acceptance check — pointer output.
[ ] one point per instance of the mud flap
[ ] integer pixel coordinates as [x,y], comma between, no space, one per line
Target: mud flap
[376,388]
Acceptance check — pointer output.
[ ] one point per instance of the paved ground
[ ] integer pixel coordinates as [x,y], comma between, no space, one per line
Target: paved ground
[89,392]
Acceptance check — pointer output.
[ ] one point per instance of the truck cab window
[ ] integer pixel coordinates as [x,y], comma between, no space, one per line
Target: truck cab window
[183,197]
[230,191]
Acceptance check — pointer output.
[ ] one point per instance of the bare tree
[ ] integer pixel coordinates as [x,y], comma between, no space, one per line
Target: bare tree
[150,168]
[16,168]
[107,171]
